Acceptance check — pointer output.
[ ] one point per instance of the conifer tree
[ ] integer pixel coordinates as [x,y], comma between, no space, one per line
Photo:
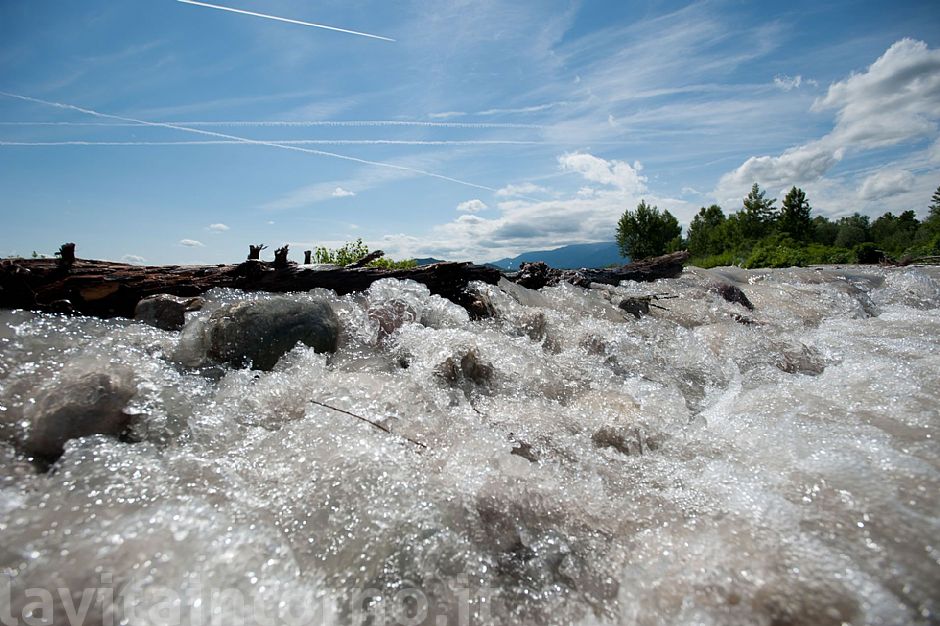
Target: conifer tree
[794,215]
[758,214]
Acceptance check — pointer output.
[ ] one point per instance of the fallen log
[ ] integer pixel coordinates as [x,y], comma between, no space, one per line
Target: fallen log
[107,289]
[537,275]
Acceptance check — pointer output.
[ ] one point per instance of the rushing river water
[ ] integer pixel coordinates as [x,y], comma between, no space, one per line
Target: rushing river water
[704,464]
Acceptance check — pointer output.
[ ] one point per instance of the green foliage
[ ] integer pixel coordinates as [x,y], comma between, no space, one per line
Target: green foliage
[646,232]
[934,208]
[727,257]
[757,236]
[794,217]
[352,252]
[783,251]
[758,216]
[853,230]
[824,231]
[706,233]
[895,234]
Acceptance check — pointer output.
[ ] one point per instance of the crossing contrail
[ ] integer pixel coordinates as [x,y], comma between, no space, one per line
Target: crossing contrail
[244,140]
[284,19]
[298,123]
[286,142]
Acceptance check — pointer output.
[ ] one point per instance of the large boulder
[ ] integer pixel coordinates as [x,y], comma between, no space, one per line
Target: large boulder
[165,311]
[83,400]
[259,333]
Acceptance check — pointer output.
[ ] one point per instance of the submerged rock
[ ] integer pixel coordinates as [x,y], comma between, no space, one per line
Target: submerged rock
[467,372]
[165,311]
[83,401]
[733,294]
[629,442]
[259,333]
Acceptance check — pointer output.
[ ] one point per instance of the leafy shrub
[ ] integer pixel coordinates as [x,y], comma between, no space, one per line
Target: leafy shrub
[352,252]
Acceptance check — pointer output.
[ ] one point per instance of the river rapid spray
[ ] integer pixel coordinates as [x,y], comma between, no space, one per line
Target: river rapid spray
[704,464]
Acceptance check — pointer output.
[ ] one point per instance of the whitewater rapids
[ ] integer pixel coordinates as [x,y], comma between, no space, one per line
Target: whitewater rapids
[704,464]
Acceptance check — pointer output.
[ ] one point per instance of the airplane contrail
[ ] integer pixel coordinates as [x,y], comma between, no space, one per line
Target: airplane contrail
[245,140]
[286,142]
[300,124]
[284,19]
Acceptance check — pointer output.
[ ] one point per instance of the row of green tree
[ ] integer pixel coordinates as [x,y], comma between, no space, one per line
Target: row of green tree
[762,235]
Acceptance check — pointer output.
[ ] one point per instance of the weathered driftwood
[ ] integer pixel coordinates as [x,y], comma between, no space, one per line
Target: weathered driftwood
[254,251]
[106,289]
[364,261]
[538,275]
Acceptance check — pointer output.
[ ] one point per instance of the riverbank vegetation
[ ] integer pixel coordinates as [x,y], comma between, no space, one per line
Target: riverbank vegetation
[762,235]
[356,251]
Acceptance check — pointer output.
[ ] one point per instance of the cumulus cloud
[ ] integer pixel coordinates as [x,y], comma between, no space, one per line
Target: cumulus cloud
[617,174]
[522,223]
[471,206]
[339,192]
[522,189]
[886,183]
[191,243]
[796,166]
[133,258]
[895,100]
[218,228]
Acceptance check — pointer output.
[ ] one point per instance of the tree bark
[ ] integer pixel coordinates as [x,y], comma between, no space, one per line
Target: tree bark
[105,289]
[538,275]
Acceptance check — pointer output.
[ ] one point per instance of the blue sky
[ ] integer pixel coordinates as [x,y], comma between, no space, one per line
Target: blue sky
[488,127]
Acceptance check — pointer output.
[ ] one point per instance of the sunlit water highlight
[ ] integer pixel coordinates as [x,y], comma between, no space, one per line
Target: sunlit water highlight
[700,465]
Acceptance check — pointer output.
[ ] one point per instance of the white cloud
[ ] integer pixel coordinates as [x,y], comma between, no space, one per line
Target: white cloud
[797,166]
[897,99]
[886,183]
[585,215]
[133,258]
[191,243]
[218,228]
[472,206]
[789,83]
[339,192]
[614,173]
[444,115]
[521,189]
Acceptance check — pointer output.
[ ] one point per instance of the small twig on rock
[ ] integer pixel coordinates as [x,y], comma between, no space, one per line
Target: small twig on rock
[368,421]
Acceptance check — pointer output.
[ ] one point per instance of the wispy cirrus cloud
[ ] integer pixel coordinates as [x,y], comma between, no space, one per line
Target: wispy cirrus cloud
[173,126]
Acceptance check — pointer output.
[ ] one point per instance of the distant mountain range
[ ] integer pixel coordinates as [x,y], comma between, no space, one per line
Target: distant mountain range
[575,256]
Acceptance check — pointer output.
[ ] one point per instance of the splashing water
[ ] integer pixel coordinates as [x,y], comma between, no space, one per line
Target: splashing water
[703,464]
